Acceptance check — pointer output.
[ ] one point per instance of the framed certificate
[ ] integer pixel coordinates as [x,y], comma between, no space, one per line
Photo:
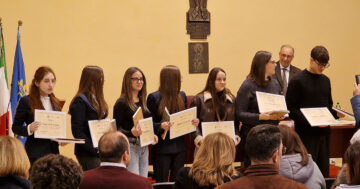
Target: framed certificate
[147,136]
[226,127]
[182,122]
[69,140]
[52,124]
[271,103]
[166,117]
[99,127]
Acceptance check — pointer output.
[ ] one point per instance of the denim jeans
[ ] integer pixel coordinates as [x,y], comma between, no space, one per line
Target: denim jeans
[139,161]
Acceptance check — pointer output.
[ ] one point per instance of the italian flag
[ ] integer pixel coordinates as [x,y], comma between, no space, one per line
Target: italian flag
[5,107]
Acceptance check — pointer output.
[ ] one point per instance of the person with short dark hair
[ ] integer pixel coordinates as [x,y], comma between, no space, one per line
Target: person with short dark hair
[246,107]
[264,148]
[114,150]
[284,70]
[55,171]
[309,89]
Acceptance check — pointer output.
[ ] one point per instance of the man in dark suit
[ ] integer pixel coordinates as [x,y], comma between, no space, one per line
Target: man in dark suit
[284,67]
[112,174]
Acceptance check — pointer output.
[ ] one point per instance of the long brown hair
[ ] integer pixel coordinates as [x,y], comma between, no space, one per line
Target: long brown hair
[170,84]
[216,100]
[34,94]
[126,90]
[352,159]
[13,158]
[214,160]
[258,67]
[293,143]
[91,85]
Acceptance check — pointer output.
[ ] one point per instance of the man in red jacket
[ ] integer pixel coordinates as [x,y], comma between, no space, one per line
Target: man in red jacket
[264,148]
[112,174]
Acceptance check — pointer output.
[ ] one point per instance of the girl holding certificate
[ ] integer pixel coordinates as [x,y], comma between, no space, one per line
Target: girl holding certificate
[168,155]
[88,104]
[214,103]
[41,97]
[133,96]
[246,106]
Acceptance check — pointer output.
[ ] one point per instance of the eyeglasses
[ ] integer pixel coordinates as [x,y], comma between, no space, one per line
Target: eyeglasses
[326,65]
[137,79]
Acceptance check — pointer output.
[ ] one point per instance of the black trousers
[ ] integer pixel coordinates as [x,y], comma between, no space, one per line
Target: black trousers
[168,162]
[319,148]
[88,163]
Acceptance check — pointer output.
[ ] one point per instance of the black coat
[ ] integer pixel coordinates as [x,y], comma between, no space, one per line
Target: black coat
[35,147]
[14,182]
[166,146]
[82,111]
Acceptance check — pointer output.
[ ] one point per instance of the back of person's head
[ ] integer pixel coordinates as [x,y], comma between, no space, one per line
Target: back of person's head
[352,162]
[293,144]
[214,160]
[55,171]
[13,158]
[320,54]
[112,147]
[262,141]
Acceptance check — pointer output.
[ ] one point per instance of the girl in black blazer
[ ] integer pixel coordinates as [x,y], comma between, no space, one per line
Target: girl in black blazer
[88,104]
[168,155]
[41,97]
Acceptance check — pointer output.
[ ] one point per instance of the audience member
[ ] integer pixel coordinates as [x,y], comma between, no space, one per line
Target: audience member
[213,164]
[352,166]
[264,148]
[14,164]
[296,163]
[114,152]
[55,172]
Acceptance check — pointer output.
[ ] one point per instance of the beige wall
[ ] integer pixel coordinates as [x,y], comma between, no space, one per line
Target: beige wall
[69,34]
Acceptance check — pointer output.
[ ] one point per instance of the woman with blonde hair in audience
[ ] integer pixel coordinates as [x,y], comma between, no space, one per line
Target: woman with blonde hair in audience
[213,164]
[296,163]
[14,164]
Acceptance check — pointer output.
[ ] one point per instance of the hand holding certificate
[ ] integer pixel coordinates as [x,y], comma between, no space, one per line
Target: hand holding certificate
[271,103]
[52,124]
[226,127]
[99,127]
[182,122]
[147,136]
[322,117]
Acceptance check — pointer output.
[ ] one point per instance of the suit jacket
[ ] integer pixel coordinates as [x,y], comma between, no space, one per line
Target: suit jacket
[35,147]
[82,111]
[278,75]
[261,177]
[112,177]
